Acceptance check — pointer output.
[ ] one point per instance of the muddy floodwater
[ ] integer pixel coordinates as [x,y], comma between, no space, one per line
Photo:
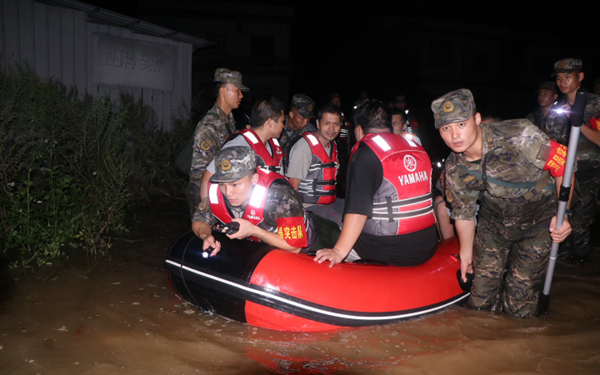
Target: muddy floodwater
[120,316]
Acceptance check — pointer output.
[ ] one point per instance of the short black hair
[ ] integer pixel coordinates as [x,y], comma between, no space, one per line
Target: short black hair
[265,109]
[373,114]
[215,89]
[329,108]
[401,112]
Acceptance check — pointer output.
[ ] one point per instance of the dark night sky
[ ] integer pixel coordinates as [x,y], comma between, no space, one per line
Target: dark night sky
[329,44]
[327,29]
[333,49]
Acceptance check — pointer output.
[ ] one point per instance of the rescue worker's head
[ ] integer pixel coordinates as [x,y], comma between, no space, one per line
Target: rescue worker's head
[569,74]
[335,99]
[458,121]
[329,123]
[229,95]
[268,114]
[301,111]
[547,94]
[235,172]
[400,102]
[372,116]
[399,121]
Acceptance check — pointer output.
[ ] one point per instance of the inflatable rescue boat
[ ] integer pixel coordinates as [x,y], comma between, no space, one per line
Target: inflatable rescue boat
[271,288]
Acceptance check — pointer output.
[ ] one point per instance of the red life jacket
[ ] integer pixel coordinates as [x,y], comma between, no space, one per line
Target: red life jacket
[265,160]
[254,212]
[319,185]
[403,203]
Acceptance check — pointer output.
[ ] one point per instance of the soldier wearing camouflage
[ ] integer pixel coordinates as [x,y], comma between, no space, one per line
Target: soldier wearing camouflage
[557,125]
[212,131]
[274,213]
[297,122]
[547,94]
[267,121]
[518,199]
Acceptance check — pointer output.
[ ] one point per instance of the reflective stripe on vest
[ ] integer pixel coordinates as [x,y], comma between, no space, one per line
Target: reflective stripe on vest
[254,211]
[403,203]
[250,137]
[319,185]
[270,162]
[384,210]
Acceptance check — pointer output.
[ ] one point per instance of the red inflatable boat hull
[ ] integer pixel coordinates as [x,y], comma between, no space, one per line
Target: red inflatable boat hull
[276,289]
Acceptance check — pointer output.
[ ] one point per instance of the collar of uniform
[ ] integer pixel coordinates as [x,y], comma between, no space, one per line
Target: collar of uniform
[222,114]
[286,125]
[227,120]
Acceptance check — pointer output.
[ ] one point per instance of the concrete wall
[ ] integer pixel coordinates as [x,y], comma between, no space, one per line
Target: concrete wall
[63,44]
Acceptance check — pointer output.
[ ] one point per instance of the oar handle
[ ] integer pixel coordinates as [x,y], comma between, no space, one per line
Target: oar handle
[577,112]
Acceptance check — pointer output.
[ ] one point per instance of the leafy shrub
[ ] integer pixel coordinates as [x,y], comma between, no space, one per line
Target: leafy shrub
[71,165]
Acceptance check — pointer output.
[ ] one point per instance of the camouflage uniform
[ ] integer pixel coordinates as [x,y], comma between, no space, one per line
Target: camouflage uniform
[305,107]
[518,201]
[289,136]
[282,201]
[210,135]
[587,187]
[538,116]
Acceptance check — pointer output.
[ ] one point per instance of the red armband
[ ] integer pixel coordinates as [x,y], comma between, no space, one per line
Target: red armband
[555,163]
[595,123]
[292,230]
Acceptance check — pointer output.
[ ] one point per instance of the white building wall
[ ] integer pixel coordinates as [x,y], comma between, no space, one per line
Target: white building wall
[58,43]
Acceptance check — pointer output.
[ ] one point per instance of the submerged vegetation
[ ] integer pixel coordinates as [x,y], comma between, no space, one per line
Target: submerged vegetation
[71,165]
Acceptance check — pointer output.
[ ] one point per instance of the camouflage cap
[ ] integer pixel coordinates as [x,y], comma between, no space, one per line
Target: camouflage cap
[230,76]
[304,105]
[400,99]
[233,163]
[548,85]
[568,65]
[454,106]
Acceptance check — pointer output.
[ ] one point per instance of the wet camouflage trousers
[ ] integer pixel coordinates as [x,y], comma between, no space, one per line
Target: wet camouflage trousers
[510,261]
[577,245]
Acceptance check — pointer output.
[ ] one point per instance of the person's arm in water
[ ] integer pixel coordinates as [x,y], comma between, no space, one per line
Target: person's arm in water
[465,230]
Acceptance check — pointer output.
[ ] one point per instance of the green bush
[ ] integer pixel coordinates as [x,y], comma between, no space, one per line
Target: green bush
[71,165]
